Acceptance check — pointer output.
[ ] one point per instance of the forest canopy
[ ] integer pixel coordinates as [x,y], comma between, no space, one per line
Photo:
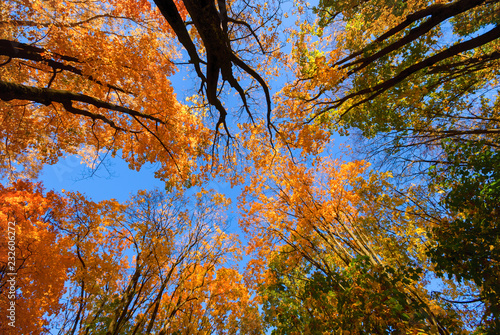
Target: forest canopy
[394,232]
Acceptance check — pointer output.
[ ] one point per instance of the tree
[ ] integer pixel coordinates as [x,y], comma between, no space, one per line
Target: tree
[92,64]
[157,264]
[35,258]
[395,52]
[468,244]
[358,299]
[217,26]
[418,80]
[339,246]
[412,73]
[77,79]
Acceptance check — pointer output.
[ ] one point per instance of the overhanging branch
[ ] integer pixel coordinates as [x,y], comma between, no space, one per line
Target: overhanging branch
[14,49]
[46,96]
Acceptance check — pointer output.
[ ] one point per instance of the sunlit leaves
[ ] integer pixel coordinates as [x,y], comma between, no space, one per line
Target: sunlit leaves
[334,247]
[41,253]
[313,224]
[117,53]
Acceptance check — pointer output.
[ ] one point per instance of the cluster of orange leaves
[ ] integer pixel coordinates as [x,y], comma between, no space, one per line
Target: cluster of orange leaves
[42,256]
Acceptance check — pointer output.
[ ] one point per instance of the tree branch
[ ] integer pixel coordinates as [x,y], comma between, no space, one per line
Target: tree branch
[46,96]
[438,12]
[14,49]
[426,63]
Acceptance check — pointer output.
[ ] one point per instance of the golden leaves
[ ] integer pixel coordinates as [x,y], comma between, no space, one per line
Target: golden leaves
[42,257]
[114,52]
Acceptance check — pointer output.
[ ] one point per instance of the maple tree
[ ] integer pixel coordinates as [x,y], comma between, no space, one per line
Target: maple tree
[369,44]
[157,264]
[76,79]
[217,26]
[94,63]
[340,245]
[42,259]
[408,75]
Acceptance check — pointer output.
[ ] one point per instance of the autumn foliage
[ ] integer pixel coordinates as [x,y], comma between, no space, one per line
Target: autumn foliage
[394,232]
[42,257]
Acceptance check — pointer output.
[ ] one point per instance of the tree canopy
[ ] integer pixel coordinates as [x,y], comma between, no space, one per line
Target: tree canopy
[395,232]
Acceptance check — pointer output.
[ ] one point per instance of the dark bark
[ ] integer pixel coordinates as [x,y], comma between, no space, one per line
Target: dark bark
[14,49]
[211,25]
[438,13]
[378,89]
[46,96]
[209,17]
